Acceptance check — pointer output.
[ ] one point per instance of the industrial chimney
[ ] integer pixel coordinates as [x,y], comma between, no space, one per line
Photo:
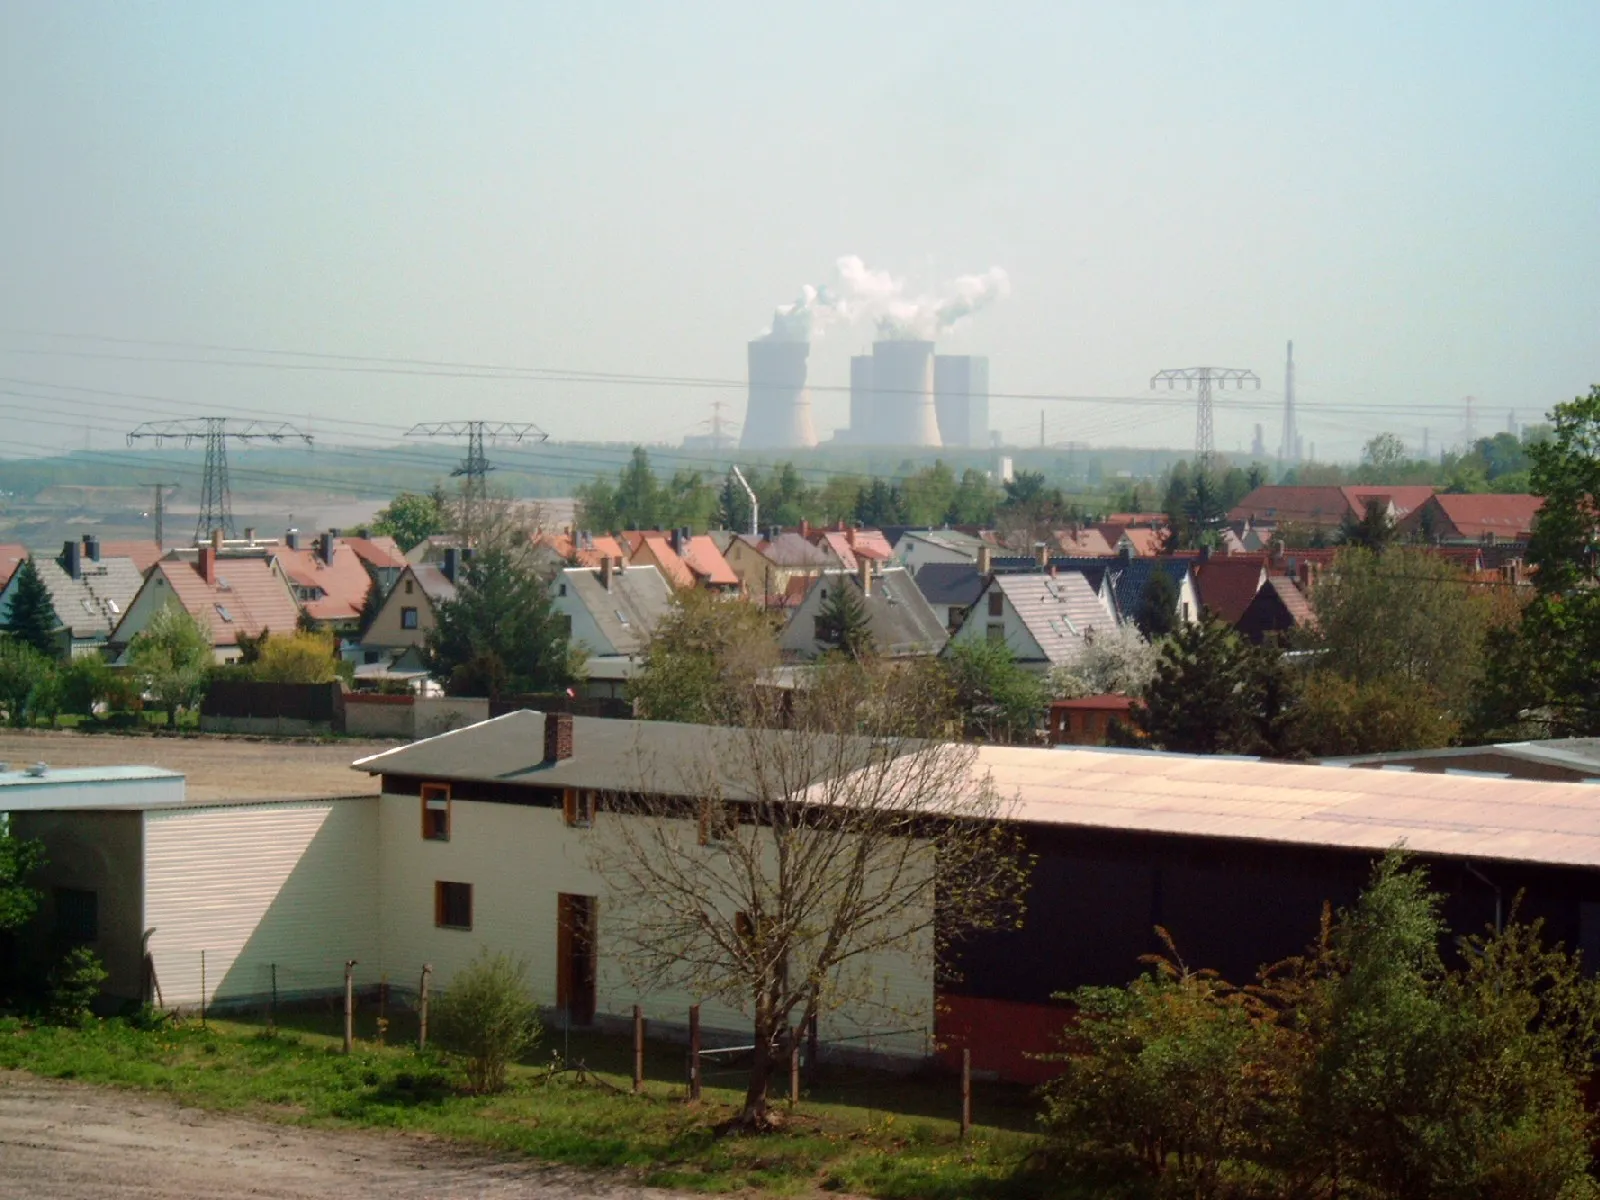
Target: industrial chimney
[779,412]
[902,384]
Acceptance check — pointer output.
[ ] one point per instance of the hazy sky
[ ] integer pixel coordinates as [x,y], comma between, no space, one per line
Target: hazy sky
[1409,191]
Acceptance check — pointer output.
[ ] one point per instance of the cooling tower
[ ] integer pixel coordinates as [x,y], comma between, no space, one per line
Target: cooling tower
[902,385]
[961,398]
[778,416]
[861,400]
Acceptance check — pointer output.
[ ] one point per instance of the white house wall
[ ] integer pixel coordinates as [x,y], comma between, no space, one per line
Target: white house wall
[253,885]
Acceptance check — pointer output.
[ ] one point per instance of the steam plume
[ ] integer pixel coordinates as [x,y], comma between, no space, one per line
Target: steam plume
[861,292]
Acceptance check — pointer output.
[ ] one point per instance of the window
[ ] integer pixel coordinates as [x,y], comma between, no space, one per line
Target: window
[561,589]
[409,587]
[436,812]
[452,905]
[578,806]
[997,604]
[369,657]
[622,617]
[997,633]
[77,916]
[222,611]
[564,624]
[408,618]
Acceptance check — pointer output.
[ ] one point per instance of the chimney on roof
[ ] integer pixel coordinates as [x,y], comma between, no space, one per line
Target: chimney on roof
[452,564]
[772,533]
[335,533]
[1125,549]
[363,532]
[679,542]
[91,547]
[805,529]
[864,572]
[850,537]
[1305,576]
[985,560]
[207,565]
[216,539]
[1205,553]
[291,539]
[1041,551]
[606,569]
[72,559]
[557,736]
[325,546]
[250,534]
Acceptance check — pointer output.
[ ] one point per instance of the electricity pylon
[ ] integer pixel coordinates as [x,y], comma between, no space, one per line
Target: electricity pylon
[1205,442]
[475,467]
[216,498]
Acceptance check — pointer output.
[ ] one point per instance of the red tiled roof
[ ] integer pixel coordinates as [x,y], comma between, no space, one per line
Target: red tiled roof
[344,582]
[1404,497]
[651,548]
[143,551]
[1107,701]
[1147,543]
[707,562]
[1227,584]
[849,546]
[250,591]
[582,548]
[11,556]
[1083,543]
[1294,600]
[1508,517]
[1124,520]
[380,553]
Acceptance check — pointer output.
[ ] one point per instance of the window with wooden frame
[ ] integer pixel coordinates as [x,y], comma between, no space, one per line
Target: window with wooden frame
[436,812]
[578,807]
[717,821]
[452,905]
[997,604]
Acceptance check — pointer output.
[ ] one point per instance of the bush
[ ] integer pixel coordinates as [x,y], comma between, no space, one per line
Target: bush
[75,985]
[88,680]
[487,1015]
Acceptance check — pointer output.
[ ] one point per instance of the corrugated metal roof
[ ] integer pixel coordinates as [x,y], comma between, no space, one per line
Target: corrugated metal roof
[1513,820]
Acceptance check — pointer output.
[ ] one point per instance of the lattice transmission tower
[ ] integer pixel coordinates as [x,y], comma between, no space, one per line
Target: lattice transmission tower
[216,497]
[1205,438]
[475,468]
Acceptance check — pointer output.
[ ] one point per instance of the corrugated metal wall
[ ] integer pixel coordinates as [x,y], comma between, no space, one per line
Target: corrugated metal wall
[291,884]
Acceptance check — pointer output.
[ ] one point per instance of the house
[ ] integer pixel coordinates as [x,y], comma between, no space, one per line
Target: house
[951,588]
[917,548]
[846,546]
[611,612]
[767,566]
[410,611]
[229,595]
[1327,508]
[89,592]
[684,560]
[902,622]
[1278,609]
[1086,720]
[1473,520]
[1225,584]
[577,548]
[1087,542]
[381,555]
[142,552]
[329,578]
[11,556]
[1042,618]
[1129,576]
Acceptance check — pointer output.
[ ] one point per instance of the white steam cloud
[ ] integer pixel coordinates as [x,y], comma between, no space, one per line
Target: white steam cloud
[859,292]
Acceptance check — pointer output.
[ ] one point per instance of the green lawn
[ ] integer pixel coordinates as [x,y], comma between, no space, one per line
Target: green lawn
[858,1131]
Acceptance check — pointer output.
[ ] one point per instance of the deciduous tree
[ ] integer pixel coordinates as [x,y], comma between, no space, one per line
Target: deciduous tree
[704,661]
[413,517]
[172,658]
[995,697]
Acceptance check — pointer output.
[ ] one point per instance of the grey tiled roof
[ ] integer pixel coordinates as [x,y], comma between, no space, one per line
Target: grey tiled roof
[85,605]
[950,583]
[1057,611]
[628,614]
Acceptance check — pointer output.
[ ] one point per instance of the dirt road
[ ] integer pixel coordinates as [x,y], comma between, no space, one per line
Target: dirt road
[63,1141]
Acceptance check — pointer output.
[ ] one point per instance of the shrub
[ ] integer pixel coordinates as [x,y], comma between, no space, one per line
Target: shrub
[487,1015]
[75,985]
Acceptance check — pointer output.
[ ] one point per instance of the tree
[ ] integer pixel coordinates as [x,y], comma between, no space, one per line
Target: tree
[296,658]
[500,634]
[1339,716]
[823,827]
[1546,679]
[1157,613]
[24,674]
[879,503]
[32,619]
[488,1016]
[842,620]
[974,500]
[411,518]
[172,657]
[87,681]
[1215,693]
[996,698]
[1118,661]
[1385,454]
[1407,615]
[19,899]
[705,658]
[1374,531]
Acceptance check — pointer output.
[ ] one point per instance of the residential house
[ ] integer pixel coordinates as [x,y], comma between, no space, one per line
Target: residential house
[611,612]
[142,552]
[1043,619]
[381,555]
[330,581]
[88,591]
[1327,508]
[1463,520]
[917,548]
[11,556]
[1129,576]
[1278,610]
[767,566]
[1225,584]
[577,548]
[684,560]
[229,595]
[951,588]
[846,546]
[902,622]
[1085,542]
[409,612]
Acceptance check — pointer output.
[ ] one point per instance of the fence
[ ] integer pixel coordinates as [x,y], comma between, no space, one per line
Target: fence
[247,706]
[411,717]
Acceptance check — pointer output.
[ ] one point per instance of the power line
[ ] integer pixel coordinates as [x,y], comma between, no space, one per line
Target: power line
[216,501]
[1205,441]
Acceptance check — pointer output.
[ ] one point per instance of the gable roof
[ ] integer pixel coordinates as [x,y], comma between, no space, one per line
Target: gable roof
[11,556]
[953,540]
[89,606]
[1404,497]
[1278,606]
[1326,506]
[1146,543]
[343,584]
[249,596]
[790,550]
[950,583]
[627,614]
[1129,576]
[1226,584]
[142,552]
[435,584]
[380,552]
[849,546]
[1087,541]
[1504,517]
[656,550]
[582,547]
[702,556]
[901,620]
[1056,610]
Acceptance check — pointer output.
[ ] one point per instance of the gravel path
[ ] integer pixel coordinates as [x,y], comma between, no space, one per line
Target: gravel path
[64,1141]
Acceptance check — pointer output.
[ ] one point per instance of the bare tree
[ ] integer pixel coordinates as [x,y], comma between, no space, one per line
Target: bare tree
[823,838]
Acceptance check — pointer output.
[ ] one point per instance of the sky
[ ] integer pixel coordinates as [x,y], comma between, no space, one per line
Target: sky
[1409,192]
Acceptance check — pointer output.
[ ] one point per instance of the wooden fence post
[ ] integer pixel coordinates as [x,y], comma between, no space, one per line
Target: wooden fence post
[272,1013]
[202,989]
[794,1065]
[694,1052]
[966,1092]
[422,1008]
[349,1004]
[638,1049]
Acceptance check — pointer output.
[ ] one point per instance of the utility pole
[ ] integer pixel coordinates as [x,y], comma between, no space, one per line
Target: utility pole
[160,511]
[216,498]
[475,468]
[1205,441]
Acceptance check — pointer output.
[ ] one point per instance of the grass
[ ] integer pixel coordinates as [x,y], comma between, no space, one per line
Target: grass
[859,1132]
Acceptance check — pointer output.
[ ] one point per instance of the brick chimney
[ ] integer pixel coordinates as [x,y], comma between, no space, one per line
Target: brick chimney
[864,573]
[216,539]
[207,565]
[557,736]
[985,560]
[291,539]
[805,529]
[606,570]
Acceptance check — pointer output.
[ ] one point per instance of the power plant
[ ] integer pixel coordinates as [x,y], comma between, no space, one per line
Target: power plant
[778,416]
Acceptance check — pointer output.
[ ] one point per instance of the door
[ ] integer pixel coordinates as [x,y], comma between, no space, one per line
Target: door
[575,957]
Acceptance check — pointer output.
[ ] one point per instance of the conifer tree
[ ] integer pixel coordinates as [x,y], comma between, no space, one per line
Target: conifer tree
[33,617]
[843,623]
